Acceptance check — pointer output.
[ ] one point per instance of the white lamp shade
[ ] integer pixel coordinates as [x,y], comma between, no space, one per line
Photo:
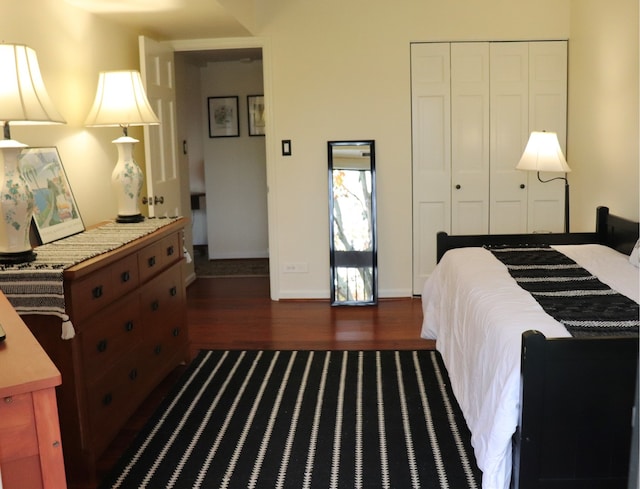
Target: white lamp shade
[543,153]
[23,96]
[121,101]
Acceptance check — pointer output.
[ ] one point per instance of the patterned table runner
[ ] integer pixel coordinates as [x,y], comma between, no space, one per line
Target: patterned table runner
[37,287]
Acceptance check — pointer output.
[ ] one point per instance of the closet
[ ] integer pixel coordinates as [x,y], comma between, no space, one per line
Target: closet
[474,105]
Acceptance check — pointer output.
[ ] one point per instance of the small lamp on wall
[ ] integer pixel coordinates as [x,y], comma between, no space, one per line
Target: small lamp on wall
[543,153]
[23,100]
[121,101]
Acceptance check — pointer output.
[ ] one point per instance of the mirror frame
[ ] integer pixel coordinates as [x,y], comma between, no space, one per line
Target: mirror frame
[374,238]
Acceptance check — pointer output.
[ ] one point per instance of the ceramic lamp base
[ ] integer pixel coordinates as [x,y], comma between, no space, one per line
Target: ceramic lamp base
[130,219]
[16,206]
[126,180]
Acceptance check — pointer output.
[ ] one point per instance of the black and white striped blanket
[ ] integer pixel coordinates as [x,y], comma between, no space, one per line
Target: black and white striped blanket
[37,287]
[569,293]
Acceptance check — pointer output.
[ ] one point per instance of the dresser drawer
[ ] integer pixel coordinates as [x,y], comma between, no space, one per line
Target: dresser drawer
[162,297]
[102,287]
[154,258]
[111,334]
[112,398]
[18,437]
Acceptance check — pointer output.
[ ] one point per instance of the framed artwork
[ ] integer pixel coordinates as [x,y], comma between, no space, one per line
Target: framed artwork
[56,214]
[223,117]
[255,107]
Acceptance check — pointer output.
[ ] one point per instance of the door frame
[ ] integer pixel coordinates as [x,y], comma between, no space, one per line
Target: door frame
[270,146]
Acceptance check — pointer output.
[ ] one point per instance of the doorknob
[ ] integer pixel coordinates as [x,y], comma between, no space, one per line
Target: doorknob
[152,201]
[458,187]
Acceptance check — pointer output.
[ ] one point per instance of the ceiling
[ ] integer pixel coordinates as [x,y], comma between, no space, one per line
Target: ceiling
[168,19]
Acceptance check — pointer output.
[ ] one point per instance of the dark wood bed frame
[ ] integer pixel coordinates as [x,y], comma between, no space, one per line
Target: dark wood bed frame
[577,394]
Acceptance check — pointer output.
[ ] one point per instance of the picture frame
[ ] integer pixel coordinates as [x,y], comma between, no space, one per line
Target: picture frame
[255,110]
[223,117]
[56,213]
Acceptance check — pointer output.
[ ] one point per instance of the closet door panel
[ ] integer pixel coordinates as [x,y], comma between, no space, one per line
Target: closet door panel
[547,112]
[470,138]
[509,135]
[431,140]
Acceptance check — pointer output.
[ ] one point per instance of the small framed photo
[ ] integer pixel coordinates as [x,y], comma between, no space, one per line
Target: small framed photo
[56,214]
[223,117]
[255,107]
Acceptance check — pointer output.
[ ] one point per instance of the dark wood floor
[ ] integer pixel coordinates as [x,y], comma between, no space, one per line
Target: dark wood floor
[237,313]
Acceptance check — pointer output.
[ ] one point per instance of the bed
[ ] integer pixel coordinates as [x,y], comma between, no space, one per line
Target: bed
[546,407]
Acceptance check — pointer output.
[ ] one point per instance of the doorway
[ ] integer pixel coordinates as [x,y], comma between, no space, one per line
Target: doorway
[227,175]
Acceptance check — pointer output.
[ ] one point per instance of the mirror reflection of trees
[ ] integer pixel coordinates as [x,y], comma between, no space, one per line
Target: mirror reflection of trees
[353,232]
[353,225]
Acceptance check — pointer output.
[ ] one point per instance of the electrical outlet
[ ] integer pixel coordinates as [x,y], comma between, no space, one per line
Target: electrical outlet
[295,268]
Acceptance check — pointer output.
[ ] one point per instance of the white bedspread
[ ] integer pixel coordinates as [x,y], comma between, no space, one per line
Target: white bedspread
[477,313]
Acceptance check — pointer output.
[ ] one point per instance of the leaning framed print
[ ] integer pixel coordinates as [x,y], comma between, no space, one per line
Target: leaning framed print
[255,108]
[223,117]
[55,214]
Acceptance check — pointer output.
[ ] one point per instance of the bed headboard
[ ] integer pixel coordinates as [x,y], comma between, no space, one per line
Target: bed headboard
[617,232]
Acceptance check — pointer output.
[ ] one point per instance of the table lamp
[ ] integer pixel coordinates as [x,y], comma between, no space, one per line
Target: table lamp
[121,101]
[543,153]
[23,100]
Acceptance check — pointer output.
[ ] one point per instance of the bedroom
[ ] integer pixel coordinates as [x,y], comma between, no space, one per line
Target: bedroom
[73,46]
[353,83]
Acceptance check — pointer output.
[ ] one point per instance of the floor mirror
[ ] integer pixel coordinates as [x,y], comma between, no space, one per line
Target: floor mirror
[352,218]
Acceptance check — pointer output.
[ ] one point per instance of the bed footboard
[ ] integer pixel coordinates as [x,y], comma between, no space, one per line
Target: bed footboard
[577,398]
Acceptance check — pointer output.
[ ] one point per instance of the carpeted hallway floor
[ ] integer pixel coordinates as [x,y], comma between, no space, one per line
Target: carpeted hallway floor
[247,267]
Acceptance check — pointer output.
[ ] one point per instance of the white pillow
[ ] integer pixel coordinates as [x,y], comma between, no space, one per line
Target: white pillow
[634,256]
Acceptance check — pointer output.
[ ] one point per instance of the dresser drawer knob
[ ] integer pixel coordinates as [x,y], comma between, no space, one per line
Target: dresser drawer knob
[107,399]
[157,350]
[97,292]
[133,375]
[175,332]
[155,305]
[151,261]
[170,250]
[126,276]
[128,326]
[102,346]
[173,291]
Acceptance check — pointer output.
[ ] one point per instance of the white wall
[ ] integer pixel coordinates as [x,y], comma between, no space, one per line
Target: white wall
[603,109]
[234,168]
[341,70]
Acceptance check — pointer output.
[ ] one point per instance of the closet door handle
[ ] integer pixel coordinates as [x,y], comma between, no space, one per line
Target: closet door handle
[522,185]
[458,187]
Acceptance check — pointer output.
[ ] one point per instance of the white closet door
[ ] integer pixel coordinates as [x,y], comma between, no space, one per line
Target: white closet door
[547,112]
[431,140]
[470,138]
[509,135]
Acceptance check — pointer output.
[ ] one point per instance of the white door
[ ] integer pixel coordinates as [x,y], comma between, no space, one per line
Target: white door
[161,155]
[509,135]
[547,112]
[470,138]
[431,141]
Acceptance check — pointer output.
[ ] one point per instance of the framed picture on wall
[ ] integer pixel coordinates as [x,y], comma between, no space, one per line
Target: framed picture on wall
[223,117]
[255,108]
[56,214]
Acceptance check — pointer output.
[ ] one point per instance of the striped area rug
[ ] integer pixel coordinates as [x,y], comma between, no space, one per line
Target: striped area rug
[305,419]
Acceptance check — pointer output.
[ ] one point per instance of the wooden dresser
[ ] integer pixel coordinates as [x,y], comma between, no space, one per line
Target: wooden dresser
[30,443]
[128,308]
